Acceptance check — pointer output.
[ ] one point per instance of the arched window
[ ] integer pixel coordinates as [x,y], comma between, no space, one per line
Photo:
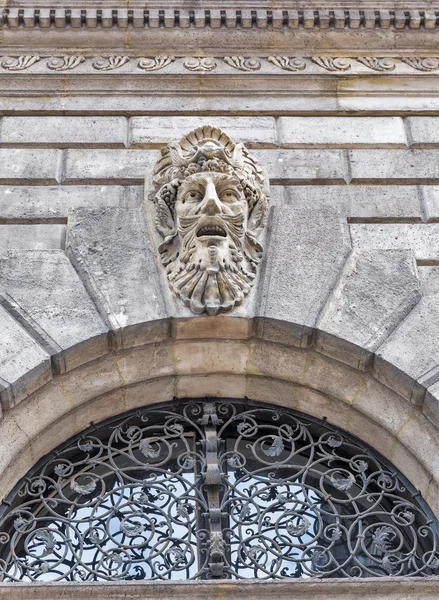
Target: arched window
[214,489]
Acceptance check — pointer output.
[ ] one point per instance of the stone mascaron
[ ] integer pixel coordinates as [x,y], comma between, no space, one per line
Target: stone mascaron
[211,202]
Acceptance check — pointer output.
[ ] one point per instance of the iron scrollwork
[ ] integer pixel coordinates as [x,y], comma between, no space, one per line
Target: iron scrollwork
[226,489]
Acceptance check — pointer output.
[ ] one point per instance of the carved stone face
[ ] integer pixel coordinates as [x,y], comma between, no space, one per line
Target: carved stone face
[209,219]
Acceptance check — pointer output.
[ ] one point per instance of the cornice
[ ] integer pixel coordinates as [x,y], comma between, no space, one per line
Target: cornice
[424,17]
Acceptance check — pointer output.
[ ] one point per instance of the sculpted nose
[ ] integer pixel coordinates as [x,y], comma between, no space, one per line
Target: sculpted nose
[211,203]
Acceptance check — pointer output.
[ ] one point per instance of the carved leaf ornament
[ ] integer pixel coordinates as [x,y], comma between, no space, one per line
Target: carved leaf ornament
[210,205]
[331,64]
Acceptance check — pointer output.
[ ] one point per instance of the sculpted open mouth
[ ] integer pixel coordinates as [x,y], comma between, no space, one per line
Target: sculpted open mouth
[211,231]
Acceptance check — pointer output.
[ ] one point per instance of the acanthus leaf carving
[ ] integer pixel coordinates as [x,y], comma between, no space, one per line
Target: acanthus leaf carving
[376,63]
[19,63]
[109,63]
[288,64]
[211,200]
[242,63]
[156,63]
[427,64]
[200,64]
[64,63]
[332,64]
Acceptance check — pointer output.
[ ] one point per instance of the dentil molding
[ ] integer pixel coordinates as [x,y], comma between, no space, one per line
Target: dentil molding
[335,17]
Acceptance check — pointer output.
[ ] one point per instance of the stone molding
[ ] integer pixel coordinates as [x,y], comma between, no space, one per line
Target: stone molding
[329,589]
[318,64]
[228,18]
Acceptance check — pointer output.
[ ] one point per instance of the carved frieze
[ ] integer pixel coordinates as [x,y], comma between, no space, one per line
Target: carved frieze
[261,65]
[210,201]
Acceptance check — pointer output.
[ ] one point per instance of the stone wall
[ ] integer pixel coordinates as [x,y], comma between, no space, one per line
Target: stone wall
[350,273]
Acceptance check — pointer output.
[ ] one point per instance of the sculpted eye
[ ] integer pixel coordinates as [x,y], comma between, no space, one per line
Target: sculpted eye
[231,195]
[193,196]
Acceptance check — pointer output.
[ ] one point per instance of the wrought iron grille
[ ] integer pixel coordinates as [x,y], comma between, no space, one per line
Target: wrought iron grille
[226,489]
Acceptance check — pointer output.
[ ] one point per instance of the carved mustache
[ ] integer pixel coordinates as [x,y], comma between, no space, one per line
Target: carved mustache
[218,225]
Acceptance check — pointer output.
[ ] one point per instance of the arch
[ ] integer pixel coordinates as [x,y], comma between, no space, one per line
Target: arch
[223,357]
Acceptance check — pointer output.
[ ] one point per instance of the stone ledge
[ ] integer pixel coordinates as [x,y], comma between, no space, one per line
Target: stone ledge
[385,588]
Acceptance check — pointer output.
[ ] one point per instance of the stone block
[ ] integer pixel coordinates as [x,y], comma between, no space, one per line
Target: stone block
[430,407]
[32,237]
[367,202]
[408,361]
[150,361]
[375,292]
[213,356]
[22,165]
[113,167]
[48,298]
[155,132]
[52,203]
[422,239]
[110,249]
[423,132]
[429,280]
[430,201]
[220,327]
[394,166]
[24,364]
[64,132]
[300,166]
[214,386]
[341,132]
[306,250]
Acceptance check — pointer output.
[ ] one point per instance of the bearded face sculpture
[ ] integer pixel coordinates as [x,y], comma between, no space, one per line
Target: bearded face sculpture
[210,208]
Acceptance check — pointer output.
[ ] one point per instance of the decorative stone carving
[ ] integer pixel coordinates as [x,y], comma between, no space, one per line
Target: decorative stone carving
[211,200]
[109,63]
[19,63]
[422,64]
[64,63]
[242,63]
[200,64]
[288,64]
[332,64]
[156,63]
[377,64]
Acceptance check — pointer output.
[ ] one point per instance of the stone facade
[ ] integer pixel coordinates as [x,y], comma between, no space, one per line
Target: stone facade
[339,105]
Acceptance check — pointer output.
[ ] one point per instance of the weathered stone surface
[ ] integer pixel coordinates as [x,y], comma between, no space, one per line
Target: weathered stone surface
[422,239]
[19,165]
[24,365]
[110,248]
[397,166]
[32,237]
[412,350]
[364,201]
[423,132]
[376,290]
[430,198]
[107,166]
[341,132]
[50,300]
[52,203]
[64,132]
[156,132]
[126,167]
[300,166]
[388,588]
[305,253]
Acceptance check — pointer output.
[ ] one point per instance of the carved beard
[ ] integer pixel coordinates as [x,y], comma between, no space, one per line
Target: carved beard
[211,278]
